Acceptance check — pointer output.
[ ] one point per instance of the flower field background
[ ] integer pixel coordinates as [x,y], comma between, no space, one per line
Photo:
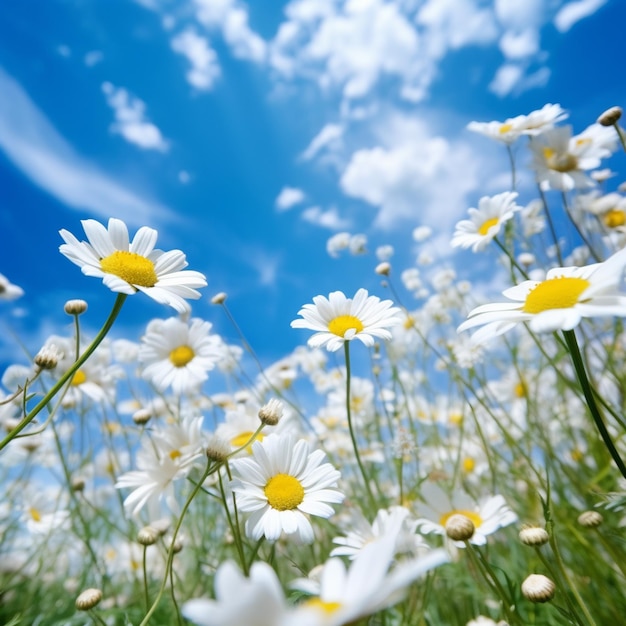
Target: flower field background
[432,456]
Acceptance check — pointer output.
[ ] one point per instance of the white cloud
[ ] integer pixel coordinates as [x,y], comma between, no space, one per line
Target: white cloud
[326,219]
[232,19]
[37,149]
[521,44]
[288,198]
[573,12]
[412,176]
[205,69]
[329,136]
[130,120]
[507,76]
[93,58]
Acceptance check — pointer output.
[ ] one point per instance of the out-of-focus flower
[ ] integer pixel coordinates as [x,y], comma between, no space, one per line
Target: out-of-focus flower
[9,291]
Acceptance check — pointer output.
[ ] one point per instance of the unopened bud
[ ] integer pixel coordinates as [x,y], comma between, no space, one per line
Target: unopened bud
[610,116]
[590,519]
[533,536]
[48,357]
[384,268]
[217,449]
[271,412]
[78,484]
[459,527]
[75,307]
[219,298]
[538,588]
[147,536]
[141,417]
[88,599]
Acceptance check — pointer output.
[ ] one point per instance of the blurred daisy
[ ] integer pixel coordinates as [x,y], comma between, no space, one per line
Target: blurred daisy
[559,302]
[485,222]
[128,267]
[282,482]
[178,354]
[343,596]
[488,515]
[9,291]
[560,159]
[511,129]
[338,319]
[255,601]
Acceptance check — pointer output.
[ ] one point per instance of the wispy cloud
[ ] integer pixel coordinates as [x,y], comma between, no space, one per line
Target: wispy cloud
[130,119]
[205,69]
[288,198]
[573,12]
[44,156]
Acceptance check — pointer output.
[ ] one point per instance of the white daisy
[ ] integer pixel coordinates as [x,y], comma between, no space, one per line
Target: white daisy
[487,516]
[178,354]
[282,482]
[368,586]
[128,267]
[559,302]
[485,222]
[255,601]
[338,319]
[560,160]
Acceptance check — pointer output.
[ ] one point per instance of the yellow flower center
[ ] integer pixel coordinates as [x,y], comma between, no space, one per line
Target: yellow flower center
[520,390]
[455,418]
[342,324]
[133,268]
[505,128]
[79,378]
[614,218]
[180,356]
[409,322]
[284,492]
[175,454]
[468,465]
[326,607]
[559,161]
[577,455]
[476,519]
[555,293]
[485,226]
[35,514]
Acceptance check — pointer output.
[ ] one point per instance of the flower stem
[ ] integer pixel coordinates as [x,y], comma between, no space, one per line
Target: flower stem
[579,366]
[29,417]
[370,495]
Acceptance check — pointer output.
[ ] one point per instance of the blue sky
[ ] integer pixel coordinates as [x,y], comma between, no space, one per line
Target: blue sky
[192,116]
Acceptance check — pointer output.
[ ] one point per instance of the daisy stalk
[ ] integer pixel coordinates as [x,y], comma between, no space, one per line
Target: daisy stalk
[29,417]
[587,389]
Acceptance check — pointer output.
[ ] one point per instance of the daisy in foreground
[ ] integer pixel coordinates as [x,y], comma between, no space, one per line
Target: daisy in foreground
[559,302]
[282,482]
[128,267]
[338,319]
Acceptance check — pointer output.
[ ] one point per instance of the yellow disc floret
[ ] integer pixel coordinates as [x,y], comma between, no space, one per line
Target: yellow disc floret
[614,218]
[342,324]
[284,492]
[133,268]
[476,519]
[486,225]
[181,355]
[79,378]
[327,607]
[555,293]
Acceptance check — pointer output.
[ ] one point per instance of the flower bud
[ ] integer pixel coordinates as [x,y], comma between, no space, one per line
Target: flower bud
[538,588]
[75,307]
[217,449]
[610,116]
[384,268]
[48,357]
[147,536]
[219,298]
[141,417]
[88,599]
[590,519]
[459,527]
[533,536]
[271,412]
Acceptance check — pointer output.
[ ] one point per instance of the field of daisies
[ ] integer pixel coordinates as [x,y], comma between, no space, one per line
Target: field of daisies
[438,454]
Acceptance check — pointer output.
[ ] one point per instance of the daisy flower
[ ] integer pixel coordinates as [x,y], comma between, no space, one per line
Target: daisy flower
[128,267]
[560,159]
[9,291]
[488,515]
[255,601]
[282,482]
[559,302]
[485,222]
[338,319]
[371,584]
[178,354]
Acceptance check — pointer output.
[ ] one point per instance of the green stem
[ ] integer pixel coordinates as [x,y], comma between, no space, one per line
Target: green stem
[579,366]
[117,307]
[370,495]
